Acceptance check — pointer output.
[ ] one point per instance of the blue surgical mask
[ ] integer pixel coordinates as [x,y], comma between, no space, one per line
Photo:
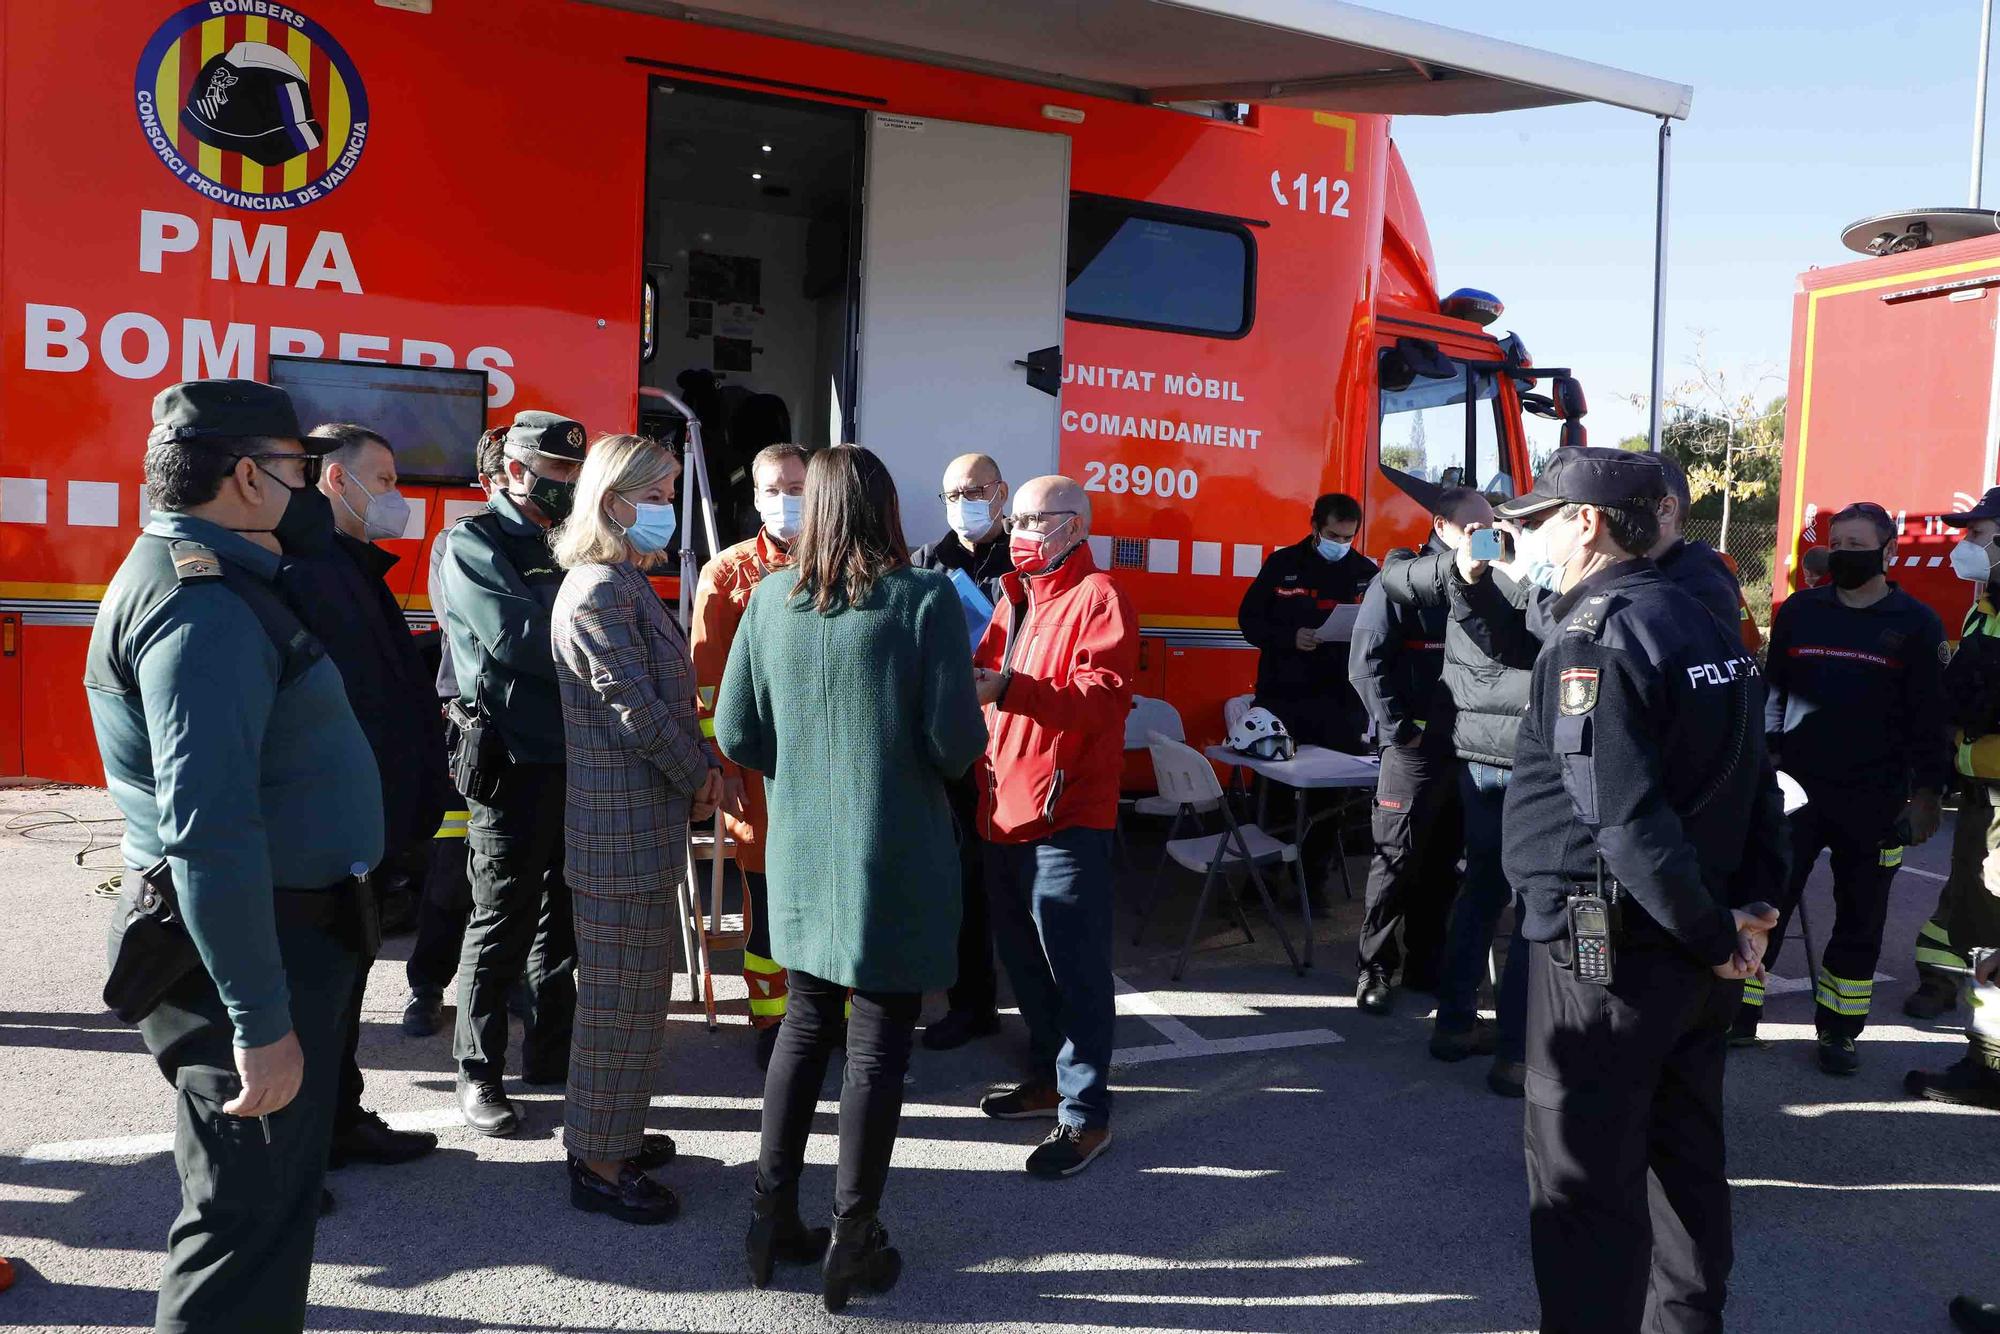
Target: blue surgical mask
[1539,565]
[1332,550]
[652,529]
[781,514]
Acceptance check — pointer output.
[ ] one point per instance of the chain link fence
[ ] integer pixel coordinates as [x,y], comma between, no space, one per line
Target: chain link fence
[1753,546]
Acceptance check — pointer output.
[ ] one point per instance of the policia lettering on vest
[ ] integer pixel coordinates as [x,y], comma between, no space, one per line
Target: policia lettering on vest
[253,813]
[1642,812]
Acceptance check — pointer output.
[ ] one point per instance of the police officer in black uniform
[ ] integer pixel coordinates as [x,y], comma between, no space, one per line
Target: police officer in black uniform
[1299,678]
[500,582]
[1643,809]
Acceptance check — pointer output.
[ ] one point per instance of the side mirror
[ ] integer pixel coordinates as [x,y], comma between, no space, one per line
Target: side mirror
[1574,433]
[1567,391]
[1539,405]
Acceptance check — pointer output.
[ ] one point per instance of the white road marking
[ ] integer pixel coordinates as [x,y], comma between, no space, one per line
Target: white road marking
[1813,1111]
[1097,1262]
[1971,1187]
[1928,875]
[1184,1043]
[1308,1299]
[1231,1173]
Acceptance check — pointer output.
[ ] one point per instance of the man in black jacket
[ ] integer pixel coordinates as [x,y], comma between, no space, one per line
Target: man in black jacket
[1643,823]
[1695,566]
[1856,714]
[974,556]
[1301,678]
[1488,653]
[1395,662]
[341,595]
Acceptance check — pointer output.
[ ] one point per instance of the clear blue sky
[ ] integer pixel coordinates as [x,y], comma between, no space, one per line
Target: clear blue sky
[1806,118]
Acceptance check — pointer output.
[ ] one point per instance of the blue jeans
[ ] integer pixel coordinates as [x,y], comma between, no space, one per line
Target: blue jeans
[1052,921]
[1483,793]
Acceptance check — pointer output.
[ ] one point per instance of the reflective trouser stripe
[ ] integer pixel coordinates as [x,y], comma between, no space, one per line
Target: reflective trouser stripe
[454,824]
[1753,991]
[1934,947]
[767,986]
[1844,995]
[705,696]
[1890,857]
[708,728]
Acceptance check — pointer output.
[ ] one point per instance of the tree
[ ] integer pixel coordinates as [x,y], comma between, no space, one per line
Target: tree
[1730,442]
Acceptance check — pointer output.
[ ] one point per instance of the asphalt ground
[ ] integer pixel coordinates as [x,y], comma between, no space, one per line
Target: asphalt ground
[1281,1162]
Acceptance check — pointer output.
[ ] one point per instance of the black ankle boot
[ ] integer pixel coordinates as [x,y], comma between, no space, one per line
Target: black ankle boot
[860,1256]
[778,1233]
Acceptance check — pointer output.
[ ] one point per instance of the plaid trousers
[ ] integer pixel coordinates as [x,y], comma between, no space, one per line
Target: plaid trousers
[624,972]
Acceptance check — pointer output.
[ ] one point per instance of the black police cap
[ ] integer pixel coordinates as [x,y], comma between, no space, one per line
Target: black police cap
[1591,475]
[547,433]
[1987,508]
[227,409]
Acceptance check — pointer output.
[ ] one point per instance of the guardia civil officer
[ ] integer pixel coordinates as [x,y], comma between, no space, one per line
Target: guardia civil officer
[253,812]
[1856,714]
[1641,761]
[500,582]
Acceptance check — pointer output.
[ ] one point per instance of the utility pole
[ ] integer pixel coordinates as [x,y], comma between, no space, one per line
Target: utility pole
[1979,101]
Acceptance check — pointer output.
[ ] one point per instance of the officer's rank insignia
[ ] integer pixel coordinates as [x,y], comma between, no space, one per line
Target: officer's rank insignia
[199,563]
[1579,690]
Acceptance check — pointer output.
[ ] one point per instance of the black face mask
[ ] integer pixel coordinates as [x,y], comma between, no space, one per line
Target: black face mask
[1852,569]
[555,498]
[306,527]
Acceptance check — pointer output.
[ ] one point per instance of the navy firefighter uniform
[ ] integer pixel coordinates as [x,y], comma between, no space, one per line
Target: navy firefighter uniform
[1856,714]
[1307,688]
[1396,662]
[1641,756]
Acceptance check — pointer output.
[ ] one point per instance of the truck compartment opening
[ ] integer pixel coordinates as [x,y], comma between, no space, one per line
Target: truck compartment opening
[749,259]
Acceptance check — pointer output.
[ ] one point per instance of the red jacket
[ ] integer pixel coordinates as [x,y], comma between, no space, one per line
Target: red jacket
[1056,740]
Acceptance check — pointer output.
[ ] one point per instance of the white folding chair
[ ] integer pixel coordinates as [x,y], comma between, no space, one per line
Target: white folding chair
[1146,719]
[1186,778]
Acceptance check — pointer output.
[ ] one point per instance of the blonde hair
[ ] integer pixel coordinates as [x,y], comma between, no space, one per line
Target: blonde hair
[617,465]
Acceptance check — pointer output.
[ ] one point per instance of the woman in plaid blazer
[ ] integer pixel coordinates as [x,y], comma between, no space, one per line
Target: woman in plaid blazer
[638,771]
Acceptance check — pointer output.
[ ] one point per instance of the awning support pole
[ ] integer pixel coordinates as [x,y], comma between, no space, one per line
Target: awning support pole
[1979,102]
[1654,405]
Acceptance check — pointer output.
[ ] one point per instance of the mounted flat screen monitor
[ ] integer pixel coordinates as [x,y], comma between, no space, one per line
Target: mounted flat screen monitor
[430,415]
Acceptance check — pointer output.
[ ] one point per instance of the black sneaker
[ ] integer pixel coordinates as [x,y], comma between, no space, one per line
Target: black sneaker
[1743,1028]
[1068,1150]
[1837,1055]
[1967,1084]
[1934,998]
[1023,1102]
[370,1140]
[1373,993]
[1479,1040]
[959,1027]
[633,1198]
[423,1012]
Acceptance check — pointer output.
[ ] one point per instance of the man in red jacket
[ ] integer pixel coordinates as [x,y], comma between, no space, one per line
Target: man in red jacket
[1055,672]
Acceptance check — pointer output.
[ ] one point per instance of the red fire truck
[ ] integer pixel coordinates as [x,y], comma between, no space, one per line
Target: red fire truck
[1894,393]
[1168,248]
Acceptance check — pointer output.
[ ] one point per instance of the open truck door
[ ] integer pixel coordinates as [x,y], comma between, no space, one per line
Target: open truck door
[962,278]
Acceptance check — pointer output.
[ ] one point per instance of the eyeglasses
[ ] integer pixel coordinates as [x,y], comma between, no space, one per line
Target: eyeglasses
[1041,521]
[970,493]
[312,464]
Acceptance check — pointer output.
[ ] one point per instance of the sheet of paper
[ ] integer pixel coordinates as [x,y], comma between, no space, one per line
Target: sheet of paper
[1339,624]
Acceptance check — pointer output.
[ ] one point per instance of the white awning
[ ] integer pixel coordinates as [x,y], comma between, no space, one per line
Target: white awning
[1321,54]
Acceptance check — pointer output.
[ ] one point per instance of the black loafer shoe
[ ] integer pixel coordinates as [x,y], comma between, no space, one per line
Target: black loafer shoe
[423,1013]
[1373,994]
[486,1107]
[959,1027]
[633,1198]
[655,1152]
[370,1140]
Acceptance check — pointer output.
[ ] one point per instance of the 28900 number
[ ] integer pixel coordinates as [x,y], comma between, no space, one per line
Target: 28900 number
[1120,479]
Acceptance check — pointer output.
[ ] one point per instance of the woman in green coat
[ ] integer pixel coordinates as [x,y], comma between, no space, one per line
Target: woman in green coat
[850,689]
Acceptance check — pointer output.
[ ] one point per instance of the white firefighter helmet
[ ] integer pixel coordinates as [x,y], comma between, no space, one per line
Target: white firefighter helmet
[1259,733]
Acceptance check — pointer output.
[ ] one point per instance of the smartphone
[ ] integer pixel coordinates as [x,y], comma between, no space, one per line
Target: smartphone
[1490,544]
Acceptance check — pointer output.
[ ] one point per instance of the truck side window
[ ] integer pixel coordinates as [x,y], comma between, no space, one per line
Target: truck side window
[1443,430]
[1153,267]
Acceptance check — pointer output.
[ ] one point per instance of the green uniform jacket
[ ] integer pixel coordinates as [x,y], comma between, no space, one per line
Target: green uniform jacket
[500,583]
[857,720]
[244,780]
